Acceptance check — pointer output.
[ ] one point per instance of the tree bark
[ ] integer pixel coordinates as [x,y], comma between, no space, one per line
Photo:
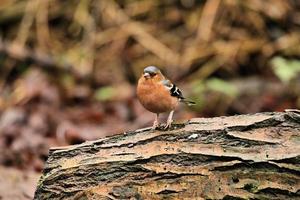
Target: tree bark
[239,157]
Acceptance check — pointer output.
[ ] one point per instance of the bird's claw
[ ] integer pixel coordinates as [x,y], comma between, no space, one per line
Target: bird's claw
[155,125]
[168,125]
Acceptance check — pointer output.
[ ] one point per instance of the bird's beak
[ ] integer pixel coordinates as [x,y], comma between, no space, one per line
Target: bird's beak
[146,75]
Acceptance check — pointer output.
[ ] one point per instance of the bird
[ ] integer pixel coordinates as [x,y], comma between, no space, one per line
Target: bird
[159,95]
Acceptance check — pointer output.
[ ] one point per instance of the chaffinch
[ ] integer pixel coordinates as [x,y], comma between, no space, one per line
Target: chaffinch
[158,95]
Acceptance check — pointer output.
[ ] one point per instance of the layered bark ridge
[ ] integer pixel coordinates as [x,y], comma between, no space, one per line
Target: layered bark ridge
[238,157]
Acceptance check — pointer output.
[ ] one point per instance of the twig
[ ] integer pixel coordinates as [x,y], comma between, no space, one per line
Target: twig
[207,19]
[42,28]
[22,53]
[112,10]
[26,22]
[84,18]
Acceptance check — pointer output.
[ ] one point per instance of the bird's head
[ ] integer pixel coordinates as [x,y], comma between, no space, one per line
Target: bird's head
[152,72]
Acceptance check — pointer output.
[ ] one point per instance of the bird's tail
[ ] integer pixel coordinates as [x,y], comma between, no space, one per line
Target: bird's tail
[188,102]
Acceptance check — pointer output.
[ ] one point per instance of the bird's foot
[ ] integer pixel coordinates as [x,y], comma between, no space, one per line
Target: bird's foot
[155,125]
[168,125]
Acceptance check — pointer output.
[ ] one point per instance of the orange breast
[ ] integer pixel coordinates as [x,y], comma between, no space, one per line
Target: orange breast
[155,97]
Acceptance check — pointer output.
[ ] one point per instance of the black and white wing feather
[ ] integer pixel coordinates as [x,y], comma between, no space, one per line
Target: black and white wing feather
[176,92]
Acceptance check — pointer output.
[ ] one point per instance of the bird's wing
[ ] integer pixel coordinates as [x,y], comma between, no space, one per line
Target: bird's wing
[176,92]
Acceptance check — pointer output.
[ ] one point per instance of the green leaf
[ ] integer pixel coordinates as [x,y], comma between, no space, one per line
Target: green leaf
[198,86]
[222,86]
[284,69]
[105,93]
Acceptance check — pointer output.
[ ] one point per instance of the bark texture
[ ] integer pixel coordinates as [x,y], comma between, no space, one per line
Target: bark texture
[239,157]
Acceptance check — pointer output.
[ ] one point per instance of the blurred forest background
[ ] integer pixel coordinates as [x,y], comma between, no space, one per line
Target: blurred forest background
[68,69]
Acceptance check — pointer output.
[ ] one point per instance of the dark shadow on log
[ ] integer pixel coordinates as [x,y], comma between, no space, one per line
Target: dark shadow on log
[239,157]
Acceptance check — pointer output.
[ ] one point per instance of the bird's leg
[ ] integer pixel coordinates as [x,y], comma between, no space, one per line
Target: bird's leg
[155,123]
[170,120]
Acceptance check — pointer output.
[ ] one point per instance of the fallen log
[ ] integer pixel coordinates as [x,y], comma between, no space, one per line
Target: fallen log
[254,156]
